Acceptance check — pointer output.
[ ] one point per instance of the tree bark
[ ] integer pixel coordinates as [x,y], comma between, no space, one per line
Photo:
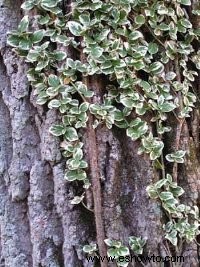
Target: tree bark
[38,225]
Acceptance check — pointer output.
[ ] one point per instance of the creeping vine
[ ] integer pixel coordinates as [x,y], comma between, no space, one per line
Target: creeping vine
[146,50]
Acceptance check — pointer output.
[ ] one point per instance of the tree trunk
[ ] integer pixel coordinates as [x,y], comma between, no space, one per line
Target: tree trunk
[38,225]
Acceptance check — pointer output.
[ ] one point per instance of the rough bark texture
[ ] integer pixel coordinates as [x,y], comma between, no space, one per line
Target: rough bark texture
[38,225]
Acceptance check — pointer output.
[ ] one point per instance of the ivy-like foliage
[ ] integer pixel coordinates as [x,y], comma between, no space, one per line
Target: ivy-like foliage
[117,251]
[147,51]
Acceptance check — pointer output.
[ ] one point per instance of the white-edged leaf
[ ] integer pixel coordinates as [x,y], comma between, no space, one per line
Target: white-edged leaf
[60,55]
[73,175]
[57,130]
[140,19]
[38,36]
[77,200]
[135,35]
[156,68]
[23,25]
[54,103]
[75,28]
[166,195]
[53,80]
[71,134]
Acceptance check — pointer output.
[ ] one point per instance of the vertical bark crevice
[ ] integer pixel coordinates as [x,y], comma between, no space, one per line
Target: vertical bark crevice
[96,189]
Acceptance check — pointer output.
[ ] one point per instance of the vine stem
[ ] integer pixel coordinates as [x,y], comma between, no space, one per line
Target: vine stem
[96,188]
[162,156]
[85,206]
[156,38]
[181,122]
[95,178]
[169,252]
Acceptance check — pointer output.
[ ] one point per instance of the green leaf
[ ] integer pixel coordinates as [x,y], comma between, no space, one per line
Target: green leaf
[117,244]
[118,115]
[77,200]
[42,64]
[139,65]
[95,5]
[141,109]
[52,92]
[54,103]
[60,55]
[127,102]
[166,195]
[41,100]
[179,154]
[102,35]
[122,262]
[85,18]
[112,252]
[38,36]
[24,44]
[185,23]
[156,68]
[32,56]
[169,178]
[78,155]
[121,124]
[75,28]
[43,19]
[53,80]
[57,130]
[168,226]
[55,10]
[146,86]
[96,51]
[123,251]
[83,164]
[84,107]
[71,63]
[90,248]
[108,242]
[135,35]
[23,25]
[73,175]
[88,93]
[137,244]
[152,192]
[176,156]
[152,48]
[94,108]
[50,3]
[28,5]
[73,164]
[163,27]
[170,76]
[140,19]
[177,192]
[167,107]
[50,32]
[13,40]
[62,39]
[172,237]
[137,131]
[71,134]
[160,183]
[185,2]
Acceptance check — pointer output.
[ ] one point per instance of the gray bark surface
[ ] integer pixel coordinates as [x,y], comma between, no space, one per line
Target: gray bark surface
[38,225]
